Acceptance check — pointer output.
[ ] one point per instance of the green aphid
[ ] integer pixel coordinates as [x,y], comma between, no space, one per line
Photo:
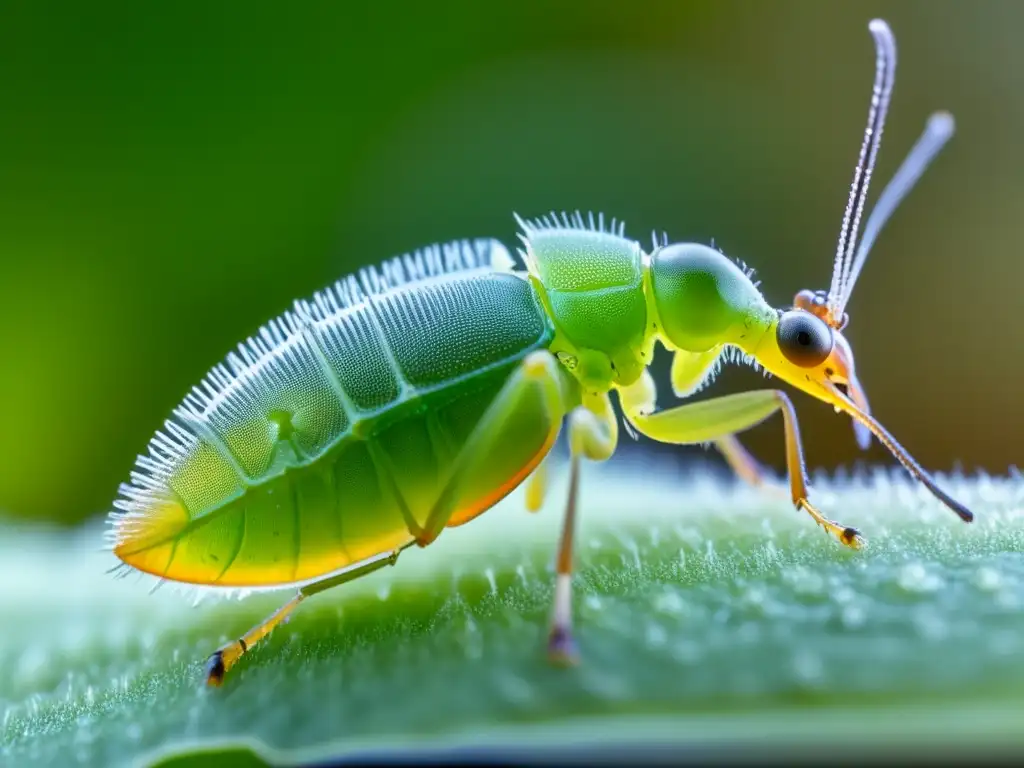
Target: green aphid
[413,397]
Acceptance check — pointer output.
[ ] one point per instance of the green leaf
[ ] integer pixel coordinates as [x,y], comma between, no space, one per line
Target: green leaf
[705,614]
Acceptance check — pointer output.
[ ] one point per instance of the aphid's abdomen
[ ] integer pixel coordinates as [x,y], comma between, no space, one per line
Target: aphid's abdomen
[327,441]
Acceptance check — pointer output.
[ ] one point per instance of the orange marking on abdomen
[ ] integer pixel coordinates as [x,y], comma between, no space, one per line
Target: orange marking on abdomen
[181,568]
[187,571]
[481,505]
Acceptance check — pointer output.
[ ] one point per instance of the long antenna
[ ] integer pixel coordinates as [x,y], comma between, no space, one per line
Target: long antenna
[885,75]
[937,132]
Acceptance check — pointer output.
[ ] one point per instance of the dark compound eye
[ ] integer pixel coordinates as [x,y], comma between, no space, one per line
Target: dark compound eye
[803,338]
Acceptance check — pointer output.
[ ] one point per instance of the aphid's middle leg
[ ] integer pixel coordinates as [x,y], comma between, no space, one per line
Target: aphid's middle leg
[537,486]
[593,433]
[721,416]
[228,655]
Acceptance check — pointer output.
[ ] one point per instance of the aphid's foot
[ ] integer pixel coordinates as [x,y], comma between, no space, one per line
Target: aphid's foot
[851,537]
[215,670]
[222,660]
[562,650]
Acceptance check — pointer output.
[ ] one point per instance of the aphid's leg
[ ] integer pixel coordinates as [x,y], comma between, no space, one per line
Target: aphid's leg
[537,381]
[594,433]
[747,468]
[739,460]
[225,658]
[711,419]
[641,396]
[537,485]
[691,371]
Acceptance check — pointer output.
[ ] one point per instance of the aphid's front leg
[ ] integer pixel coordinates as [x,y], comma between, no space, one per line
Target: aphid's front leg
[227,655]
[593,432]
[711,419]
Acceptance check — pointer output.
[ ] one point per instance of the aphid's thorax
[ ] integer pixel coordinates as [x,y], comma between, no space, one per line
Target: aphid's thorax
[704,300]
[591,281]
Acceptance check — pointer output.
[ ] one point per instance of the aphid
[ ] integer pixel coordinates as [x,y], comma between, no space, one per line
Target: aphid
[413,397]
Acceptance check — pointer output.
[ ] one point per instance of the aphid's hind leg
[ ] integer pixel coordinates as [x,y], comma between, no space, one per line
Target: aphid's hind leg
[228,655]
[534,387]
[740,460]
[722,416]
[745,466]
[533,391]
[593,432]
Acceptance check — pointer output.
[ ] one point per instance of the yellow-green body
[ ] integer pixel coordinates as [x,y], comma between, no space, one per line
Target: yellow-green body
[412,398]
[328,440]
[329,443]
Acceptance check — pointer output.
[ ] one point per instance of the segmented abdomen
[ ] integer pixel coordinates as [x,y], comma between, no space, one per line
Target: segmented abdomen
[322,441]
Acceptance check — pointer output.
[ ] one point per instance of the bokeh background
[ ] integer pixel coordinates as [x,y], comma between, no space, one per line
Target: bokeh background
[172,175]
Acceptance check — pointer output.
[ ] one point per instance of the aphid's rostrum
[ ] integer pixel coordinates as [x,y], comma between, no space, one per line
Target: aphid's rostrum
[413,397]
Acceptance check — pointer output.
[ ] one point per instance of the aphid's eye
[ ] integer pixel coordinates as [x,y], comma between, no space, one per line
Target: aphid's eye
[804,339]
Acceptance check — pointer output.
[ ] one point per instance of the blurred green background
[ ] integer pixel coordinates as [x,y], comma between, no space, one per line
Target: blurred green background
[172,175]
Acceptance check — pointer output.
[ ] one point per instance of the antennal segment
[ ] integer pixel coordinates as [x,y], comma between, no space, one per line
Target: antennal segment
[937,132]
[885,75]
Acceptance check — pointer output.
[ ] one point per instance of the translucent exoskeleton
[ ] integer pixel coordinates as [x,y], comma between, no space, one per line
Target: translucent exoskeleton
[411,398]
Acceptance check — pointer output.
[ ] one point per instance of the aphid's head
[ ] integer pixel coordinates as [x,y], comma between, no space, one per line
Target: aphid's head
[812,345]
[805,349]
[805,345]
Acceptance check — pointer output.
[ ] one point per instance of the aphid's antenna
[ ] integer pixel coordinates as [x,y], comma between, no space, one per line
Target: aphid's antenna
[885,74]
[937,132]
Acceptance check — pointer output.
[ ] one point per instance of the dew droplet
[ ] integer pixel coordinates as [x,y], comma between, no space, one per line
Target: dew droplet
[987,579]
[655,635]
[808,666]
[804,581]
[915,578]
[853,616]
[669,602]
